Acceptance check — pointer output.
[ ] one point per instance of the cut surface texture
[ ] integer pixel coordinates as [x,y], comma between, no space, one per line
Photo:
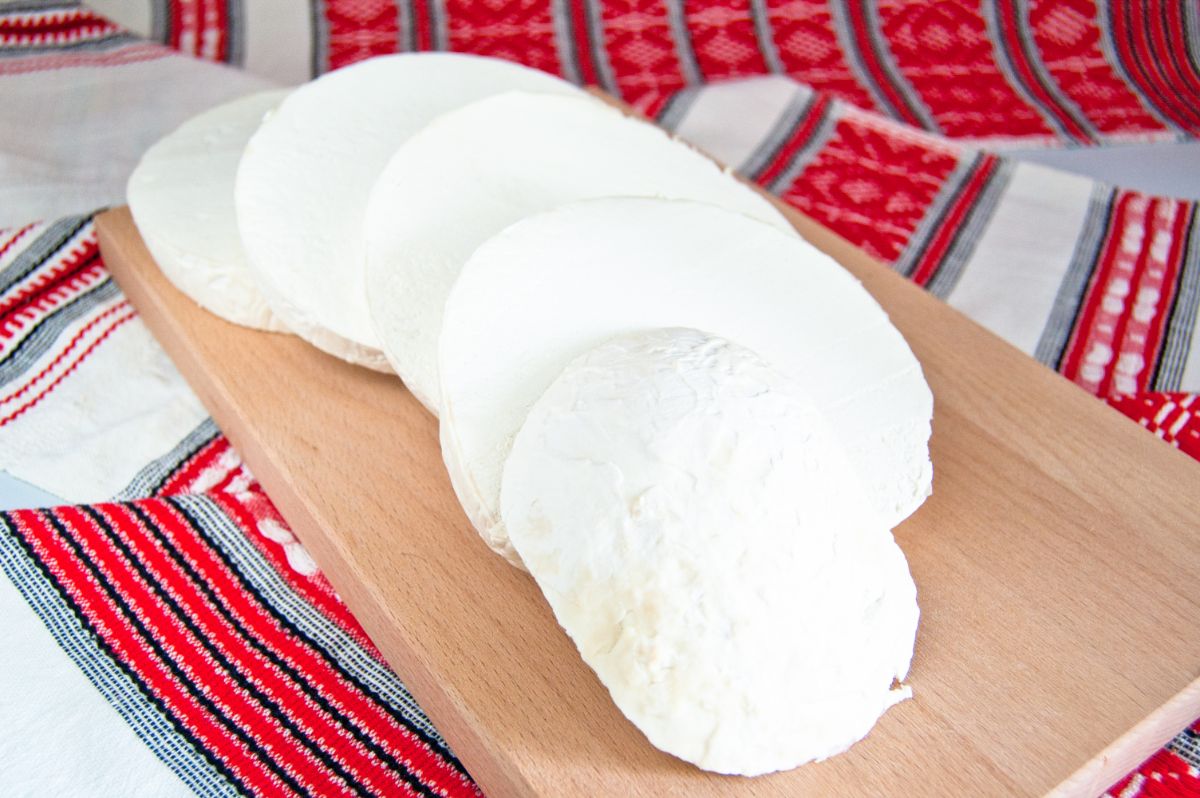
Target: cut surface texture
[557,284]
[478,169]
[304,179]
[701,536]
[181,197]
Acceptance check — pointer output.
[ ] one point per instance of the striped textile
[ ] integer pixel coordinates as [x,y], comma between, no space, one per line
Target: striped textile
[1069,71]
[236,678]
[176,587]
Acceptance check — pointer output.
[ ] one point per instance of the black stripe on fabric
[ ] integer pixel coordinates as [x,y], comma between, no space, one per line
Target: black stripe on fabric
[598,50]
[206,506]
[106,649]
[1109,48]
[436,15]
[38,340]
[306,687]
[1191,36]
[248,586]
[964,240]
[847,40]
[117,685]
[1186,746]
[1068,302]
[764,36]
[36,6]
[821,133]
[1149,91]
[777,137]
[908,262]
[1033,59]
[177,672]
[892,73]
[1181,319]
[182,454]
[407,42]
[1006,59]
[155,474]
[235,32]
[681,35]
[48,286]
[671,115]
[160,20]
[41,249]
[564,35]
[101,44]
[382,684]
[278,713]
[1184,105]
[320,38]
[152,726]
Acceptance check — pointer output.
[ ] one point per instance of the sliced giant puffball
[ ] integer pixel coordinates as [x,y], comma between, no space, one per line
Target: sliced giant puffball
[554,285]
[476,170]
[181,198]
[304,179]
[699,533]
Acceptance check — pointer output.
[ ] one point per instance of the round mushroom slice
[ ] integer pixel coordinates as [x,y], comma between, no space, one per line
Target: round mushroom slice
[478,169]
[699,533]
[304,179]
[181,198]
[552,286]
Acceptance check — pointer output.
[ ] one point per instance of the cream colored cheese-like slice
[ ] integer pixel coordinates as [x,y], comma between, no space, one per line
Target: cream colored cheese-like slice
[305,176]
[181,198]
[701,536]
[478,169]
[554,285]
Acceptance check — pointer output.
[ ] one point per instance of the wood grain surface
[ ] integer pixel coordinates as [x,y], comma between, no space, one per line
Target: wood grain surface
[1057,566]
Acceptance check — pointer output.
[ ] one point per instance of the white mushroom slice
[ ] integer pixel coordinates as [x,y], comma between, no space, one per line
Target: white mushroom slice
[304,179]
[181,198]
[557,284]
[478,169]
[699,533]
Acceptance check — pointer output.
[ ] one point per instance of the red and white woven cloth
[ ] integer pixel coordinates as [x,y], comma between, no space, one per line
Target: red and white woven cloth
[164,632]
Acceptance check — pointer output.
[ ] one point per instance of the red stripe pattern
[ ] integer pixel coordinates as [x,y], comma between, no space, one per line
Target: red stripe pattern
[1068,36]
[274,711]
[521,31]
[53,28]
[1172,417]
[162,582]
[952,221]
[799,138]
[724,40]
[806,38]
[1120,67]
[934,61]
[200,28]
[1010,20]
[641,49]
[356,30]
[933,43]
[60,38]
[870,185]
[1143,45]
[1119,331]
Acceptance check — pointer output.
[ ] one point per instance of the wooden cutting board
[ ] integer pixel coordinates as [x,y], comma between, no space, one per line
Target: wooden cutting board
[1057,565]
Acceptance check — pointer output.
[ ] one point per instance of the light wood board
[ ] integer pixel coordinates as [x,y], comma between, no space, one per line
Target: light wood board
[1057,565]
